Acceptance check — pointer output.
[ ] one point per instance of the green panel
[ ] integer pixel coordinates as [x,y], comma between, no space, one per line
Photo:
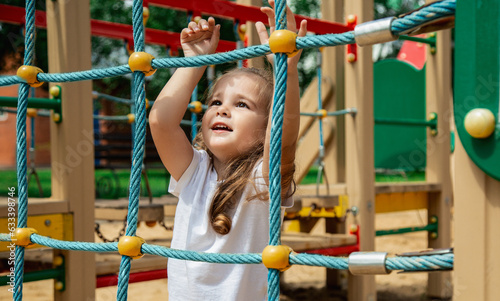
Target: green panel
[477,64]
[399,93]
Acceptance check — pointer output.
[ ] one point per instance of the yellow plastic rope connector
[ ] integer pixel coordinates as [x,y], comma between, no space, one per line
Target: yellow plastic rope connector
[30,112]
[22,236]
[283,41]
[323,113]
[141,61]
[196,107]
[131,118]
[131,246]
[277,257]
[29,73]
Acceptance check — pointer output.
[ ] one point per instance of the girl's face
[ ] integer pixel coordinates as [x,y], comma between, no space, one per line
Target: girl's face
[236,118]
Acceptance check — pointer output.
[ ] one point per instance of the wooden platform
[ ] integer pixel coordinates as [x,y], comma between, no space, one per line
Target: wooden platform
[301,242]
[117,209]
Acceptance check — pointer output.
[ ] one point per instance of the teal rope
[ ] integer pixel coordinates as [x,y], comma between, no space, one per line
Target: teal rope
[339,263]
[74,245]
[22,164]
[10,80]
[84,75]
[320,107]
[281,66]
[408,264]
[112,98]
[434,11]
[139,97]
[248,258]
[137,154]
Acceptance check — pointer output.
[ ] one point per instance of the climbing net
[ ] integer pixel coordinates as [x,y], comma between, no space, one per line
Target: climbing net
[131,246]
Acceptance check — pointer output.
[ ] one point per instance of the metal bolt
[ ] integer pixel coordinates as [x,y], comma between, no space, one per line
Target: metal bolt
[354,210]
[47,222]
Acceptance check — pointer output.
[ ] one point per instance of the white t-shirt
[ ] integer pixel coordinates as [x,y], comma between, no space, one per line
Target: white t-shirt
[189,280]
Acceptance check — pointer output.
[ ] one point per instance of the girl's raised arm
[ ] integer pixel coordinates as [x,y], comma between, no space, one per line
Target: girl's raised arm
[291,117]
[165,117]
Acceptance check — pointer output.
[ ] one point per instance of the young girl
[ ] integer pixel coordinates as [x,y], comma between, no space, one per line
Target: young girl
[222,183]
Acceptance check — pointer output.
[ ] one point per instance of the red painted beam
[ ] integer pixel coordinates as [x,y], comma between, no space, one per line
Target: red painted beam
[344,250]
[112,280]
[243,13]
[15,14]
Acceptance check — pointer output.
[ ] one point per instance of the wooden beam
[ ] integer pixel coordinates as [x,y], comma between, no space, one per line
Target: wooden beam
[41,206]
[333,68]
[438,170]
[359,151]
[477,203]
[72,143]
[308,148]
[301,242]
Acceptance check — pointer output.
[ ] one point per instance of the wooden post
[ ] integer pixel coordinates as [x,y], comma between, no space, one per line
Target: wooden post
[438,169]
[360,170]
[477,202]
[253,37]
[72,143]
[476,269]
[333,68]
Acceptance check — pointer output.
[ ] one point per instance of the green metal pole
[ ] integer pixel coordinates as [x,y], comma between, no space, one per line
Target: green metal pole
[431,123]
[35,103]
[431,228]
[430,41]
[414,122]
[36,276]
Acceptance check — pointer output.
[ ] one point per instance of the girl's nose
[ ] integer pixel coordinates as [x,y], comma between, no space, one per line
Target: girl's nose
[222,111]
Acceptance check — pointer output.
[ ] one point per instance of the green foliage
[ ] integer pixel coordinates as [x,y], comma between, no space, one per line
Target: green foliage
[12,41]
[387,8]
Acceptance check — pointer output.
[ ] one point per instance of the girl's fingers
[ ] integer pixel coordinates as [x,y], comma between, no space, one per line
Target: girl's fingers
[290,19]
[203,24]
[193,26]
[270,17]
[211,23]
[262,32]
[269,11]
[303,28]
[214,40]
[185,33]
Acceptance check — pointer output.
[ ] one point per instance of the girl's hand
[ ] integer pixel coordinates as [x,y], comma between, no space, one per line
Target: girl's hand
[291,25]
[201,38]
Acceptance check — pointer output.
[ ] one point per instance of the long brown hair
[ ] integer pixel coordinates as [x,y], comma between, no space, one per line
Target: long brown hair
[238,172]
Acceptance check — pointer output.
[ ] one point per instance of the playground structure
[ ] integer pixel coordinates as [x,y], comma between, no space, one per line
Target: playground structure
[357,172]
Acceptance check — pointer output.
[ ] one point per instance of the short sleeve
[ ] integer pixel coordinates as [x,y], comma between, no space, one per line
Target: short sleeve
[175,187]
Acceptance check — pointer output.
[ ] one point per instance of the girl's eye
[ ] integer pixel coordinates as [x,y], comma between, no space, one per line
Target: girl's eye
[242,105]
[215,103]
